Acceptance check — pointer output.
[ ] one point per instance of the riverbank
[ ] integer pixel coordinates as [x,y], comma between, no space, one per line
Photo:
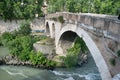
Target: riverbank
[11,60]
[87,71]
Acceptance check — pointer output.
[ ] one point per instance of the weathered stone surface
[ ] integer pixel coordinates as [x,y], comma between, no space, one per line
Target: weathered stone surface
[8,26]
[45,49]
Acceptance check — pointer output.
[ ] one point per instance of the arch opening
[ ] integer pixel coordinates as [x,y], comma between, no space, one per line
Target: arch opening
[66,40]
[47,29]
[53,29]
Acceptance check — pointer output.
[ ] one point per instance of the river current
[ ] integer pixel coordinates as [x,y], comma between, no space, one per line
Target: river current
[88,71]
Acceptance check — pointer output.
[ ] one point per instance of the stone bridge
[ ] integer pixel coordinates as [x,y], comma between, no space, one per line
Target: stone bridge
[101,33]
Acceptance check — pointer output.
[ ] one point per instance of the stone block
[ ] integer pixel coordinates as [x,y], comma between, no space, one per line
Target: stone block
[99,23]
[114,27]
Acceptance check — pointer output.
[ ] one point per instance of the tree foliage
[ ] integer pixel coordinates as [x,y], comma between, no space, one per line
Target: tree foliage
[20,44]
[118,53]
[39,59]
[112,61]
[6,37]
[84,6]
[20,9]
[25,28]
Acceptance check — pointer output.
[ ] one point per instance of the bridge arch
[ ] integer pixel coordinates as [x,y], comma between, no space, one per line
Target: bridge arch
[98,58]
[50,28]
[66,40]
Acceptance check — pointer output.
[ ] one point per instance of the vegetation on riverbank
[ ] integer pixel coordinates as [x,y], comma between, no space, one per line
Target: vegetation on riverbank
[73,53]
[20,44]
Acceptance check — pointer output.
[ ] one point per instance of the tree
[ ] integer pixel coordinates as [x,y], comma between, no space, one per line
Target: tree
[26,42]
[25,28]
[6,37]
[17,9]
[8,10]
[21,46]
[85,6]
[15,47]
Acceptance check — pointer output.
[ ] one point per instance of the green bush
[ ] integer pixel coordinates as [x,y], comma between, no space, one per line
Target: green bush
[112,61]
[24,28]
[38,38]
[1,42]
[18,45]
[26,42]
[60,18]
[55,19]
[71,58]
[50,63]
[24,55]
[79,41]
[6,37]
[39,59]
[118,53]
[15,47]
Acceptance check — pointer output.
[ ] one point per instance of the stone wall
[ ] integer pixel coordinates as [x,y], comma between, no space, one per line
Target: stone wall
[36,24]
[45,49]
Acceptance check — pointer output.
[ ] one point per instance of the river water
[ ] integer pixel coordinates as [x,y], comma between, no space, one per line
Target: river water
[88,71]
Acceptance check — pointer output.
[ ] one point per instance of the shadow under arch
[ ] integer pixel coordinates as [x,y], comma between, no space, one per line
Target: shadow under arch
[66,40]
[53,30]
[47,29]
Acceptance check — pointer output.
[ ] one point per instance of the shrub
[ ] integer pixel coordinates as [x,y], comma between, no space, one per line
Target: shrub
[1,42]
[112,61]
[50,63]
[39,59]
[118,53]
[6,37]
[24,55]
[55,19]
[71,58]
[60,18]
[20,45]
[15,47]
[25,28]
[71,61]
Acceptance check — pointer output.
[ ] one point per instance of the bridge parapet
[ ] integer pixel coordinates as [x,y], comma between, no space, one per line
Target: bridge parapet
[106,24]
